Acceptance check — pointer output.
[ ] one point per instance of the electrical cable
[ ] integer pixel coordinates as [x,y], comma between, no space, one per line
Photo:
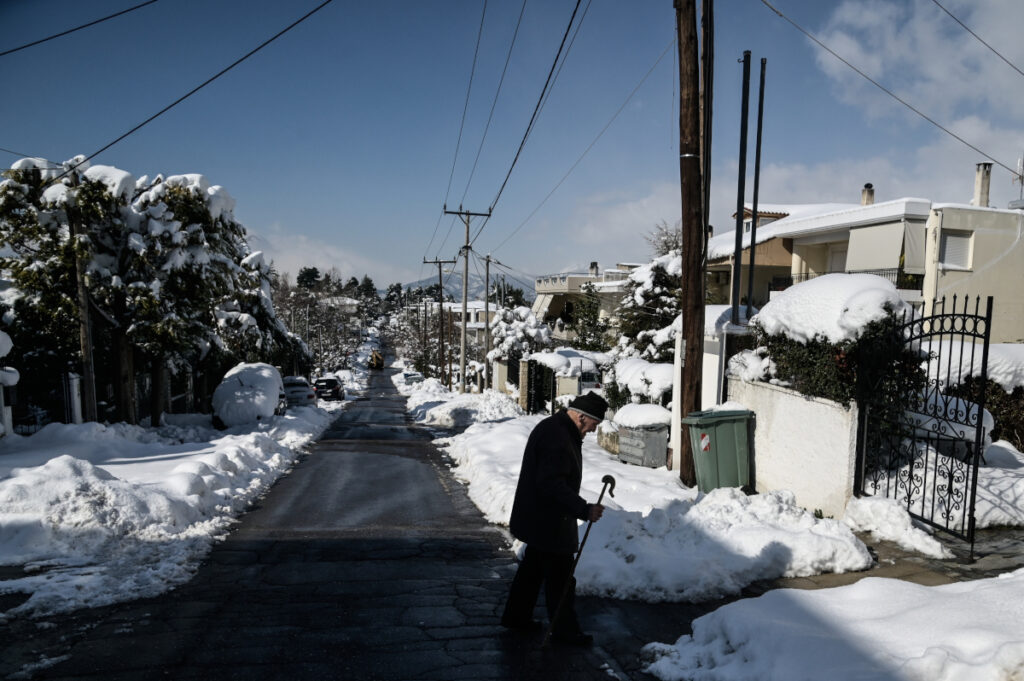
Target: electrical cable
[52,166]
[545,92]
[198,87]
[465,106]
[585,151]
[565,57]
[77,28]
[889,92]
[497,92]
[978,38]
[536,109]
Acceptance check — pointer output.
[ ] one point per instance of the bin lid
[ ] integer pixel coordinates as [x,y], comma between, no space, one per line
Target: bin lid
[696,418]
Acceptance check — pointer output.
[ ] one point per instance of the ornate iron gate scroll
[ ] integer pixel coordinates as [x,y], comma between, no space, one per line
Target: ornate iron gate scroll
[925,452]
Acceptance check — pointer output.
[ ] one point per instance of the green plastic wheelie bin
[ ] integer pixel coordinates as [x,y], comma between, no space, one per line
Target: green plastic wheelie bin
[721,443]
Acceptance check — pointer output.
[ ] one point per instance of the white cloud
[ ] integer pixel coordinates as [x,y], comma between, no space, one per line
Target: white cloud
[290,252]
[926,58]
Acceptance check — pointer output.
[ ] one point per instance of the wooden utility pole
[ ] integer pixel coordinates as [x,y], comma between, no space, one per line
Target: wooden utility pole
[465,215]
[88,385]
[691,188]
[440,310]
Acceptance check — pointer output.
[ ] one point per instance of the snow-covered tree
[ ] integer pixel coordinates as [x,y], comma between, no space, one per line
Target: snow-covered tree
[649,308]
[516,332]
[166,265]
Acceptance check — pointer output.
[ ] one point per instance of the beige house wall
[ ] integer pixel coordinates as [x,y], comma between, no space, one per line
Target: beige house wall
[996,266]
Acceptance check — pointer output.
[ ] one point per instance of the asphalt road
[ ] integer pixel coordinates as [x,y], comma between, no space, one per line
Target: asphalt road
[367,561]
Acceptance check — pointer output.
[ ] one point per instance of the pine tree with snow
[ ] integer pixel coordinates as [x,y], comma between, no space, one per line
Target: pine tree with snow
[649,309]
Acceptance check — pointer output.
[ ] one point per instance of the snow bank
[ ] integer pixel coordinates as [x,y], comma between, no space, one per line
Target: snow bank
[658,540]
[102,514]
[883,629]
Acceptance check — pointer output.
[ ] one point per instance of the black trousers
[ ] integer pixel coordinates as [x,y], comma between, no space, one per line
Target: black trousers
[552,571]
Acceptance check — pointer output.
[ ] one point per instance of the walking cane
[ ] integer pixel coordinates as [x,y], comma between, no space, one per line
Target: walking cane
[570,583]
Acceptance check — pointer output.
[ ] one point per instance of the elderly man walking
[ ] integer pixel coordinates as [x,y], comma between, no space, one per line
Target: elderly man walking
[544,516]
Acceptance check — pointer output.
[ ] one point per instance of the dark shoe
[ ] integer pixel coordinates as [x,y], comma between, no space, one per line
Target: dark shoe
[526,625]
[578,639]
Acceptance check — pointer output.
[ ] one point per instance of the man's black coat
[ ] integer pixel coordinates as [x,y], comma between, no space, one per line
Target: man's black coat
[547,502]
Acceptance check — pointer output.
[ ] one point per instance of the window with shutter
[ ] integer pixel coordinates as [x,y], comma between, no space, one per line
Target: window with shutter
[955,249]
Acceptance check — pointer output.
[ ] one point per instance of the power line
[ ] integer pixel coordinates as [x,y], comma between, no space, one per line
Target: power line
[978,38]
[536,109]
[587,150]
[53,166]
[568,49]
[77,28]
[889,92]
[497,92]
[465,107]
[199,87]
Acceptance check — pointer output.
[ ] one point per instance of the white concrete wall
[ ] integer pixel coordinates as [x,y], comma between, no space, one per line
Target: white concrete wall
[567,385]
[803,444]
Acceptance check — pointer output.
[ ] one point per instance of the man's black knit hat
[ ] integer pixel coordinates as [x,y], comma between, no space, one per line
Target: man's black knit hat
[591,404]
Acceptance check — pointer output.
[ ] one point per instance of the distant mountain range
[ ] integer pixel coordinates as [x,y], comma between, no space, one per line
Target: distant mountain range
[453,284]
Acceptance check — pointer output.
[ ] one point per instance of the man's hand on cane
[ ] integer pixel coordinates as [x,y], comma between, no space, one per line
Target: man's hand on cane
[594,512]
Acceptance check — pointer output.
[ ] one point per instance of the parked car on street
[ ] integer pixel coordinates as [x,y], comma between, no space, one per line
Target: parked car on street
[412,376]
[249,392]
[299,392]
[329,388]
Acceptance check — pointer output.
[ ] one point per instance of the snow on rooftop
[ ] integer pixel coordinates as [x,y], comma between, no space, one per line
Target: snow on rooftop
[804,219]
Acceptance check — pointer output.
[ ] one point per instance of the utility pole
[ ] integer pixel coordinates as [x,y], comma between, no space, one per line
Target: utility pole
[691,188]
[84,321]
[487,320]
[440,309]
[465,215]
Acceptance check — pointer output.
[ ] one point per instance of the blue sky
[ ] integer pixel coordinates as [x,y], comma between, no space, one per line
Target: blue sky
[338,139]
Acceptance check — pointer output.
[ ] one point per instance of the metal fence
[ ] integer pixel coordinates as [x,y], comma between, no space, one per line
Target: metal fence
[925,451]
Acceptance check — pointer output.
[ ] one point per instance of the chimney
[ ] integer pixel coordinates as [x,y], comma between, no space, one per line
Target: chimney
[982,180]
[867,195]
[593,269]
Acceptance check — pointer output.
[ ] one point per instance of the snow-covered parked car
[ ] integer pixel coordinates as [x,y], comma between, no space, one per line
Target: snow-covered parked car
[249,392]
[298,392]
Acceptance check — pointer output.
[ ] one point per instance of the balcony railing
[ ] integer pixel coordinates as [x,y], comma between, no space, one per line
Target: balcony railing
[901,279]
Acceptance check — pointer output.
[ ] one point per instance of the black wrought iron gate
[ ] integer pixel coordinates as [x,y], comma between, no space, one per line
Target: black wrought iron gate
[925,451]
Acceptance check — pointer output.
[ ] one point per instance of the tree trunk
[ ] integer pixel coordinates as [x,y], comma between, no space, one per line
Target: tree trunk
[156,398]
[124,378]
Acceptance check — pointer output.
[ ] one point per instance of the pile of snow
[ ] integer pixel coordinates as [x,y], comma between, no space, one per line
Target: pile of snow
[874,629]
[432,404]
[643,416]
[101,514]
[249,392]
[658,540]
[886,519]
[833,307]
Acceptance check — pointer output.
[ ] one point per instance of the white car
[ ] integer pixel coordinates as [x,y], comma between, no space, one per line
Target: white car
[298,392]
